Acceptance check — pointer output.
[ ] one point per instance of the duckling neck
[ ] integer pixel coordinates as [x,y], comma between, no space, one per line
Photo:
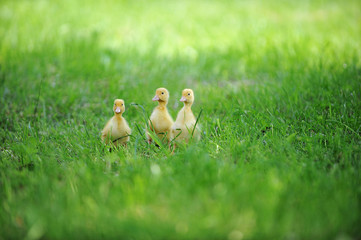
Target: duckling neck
[187,105]
[162,105]
[118,116]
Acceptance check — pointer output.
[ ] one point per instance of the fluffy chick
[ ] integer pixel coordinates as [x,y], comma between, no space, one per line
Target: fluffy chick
[184,124]
[160,120]
[117,130]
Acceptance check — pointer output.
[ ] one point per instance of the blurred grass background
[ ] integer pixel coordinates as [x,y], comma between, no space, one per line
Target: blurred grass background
[279,86]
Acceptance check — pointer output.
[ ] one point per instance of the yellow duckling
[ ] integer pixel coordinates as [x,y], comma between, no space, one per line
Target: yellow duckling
[160,120]
[184,124]
[117,129]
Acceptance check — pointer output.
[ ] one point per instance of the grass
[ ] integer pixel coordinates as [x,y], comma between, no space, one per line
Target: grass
[278,84]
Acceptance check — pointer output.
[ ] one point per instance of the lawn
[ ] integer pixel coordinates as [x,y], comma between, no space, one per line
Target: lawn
[278,86]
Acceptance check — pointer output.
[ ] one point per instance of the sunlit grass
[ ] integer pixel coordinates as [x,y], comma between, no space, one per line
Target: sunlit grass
[278,84]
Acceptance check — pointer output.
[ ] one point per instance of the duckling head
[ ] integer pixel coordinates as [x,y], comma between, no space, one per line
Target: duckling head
[161,95]
[118,106]
[187,96]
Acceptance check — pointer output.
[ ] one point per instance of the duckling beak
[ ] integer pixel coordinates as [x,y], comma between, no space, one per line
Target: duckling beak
[183,99]
[156,98]
[117,110]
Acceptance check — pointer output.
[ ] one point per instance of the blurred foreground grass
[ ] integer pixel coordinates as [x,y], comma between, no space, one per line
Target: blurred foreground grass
[279,84]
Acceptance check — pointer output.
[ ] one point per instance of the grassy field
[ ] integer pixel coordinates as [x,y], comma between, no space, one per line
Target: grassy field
[279,87]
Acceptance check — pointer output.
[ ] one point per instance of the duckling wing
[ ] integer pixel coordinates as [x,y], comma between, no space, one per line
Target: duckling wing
[106,130]
[127,128]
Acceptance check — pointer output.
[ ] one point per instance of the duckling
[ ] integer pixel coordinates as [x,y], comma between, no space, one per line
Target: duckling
[160,120]
[117,129]
[184,124]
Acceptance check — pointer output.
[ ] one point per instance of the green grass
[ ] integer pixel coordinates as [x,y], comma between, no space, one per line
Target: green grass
[279,87]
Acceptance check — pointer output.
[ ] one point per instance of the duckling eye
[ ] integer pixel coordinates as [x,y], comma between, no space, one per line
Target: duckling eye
[162,92]
[189,94]
[122,104]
